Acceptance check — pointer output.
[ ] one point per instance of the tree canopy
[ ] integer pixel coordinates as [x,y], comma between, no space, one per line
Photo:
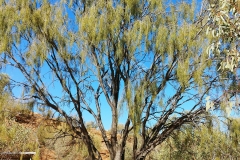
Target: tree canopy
[146,56]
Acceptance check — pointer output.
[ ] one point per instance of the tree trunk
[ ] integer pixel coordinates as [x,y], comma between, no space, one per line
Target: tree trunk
[135,147]
[114,133]
[119,153]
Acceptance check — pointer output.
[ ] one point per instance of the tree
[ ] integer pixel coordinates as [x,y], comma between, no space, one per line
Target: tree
[146,56]
[224,30]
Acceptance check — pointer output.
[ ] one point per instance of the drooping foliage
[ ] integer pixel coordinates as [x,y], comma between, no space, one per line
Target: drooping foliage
[145,57]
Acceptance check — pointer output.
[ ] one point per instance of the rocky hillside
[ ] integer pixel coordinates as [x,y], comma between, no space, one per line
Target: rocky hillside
[55,145]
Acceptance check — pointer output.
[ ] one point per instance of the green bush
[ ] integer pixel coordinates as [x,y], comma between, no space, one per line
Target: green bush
[14,137]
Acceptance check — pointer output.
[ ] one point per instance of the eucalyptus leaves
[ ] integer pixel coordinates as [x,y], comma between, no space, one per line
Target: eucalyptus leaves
[224,28]
[224,32]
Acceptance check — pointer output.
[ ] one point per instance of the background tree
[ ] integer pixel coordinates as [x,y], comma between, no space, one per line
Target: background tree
[146,56]
[224,26]
[224,32]
[201,142]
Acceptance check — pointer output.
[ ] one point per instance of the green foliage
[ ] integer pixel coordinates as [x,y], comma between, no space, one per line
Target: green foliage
[45,133]
[234,132]
[223,31]
[4,82]
[202,142]
[224,24]
[98,48]
[14,137]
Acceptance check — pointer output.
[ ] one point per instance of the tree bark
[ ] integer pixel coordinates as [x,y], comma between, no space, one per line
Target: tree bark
[118,155]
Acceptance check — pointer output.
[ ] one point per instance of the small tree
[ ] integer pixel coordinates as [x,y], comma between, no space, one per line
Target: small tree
[146,56]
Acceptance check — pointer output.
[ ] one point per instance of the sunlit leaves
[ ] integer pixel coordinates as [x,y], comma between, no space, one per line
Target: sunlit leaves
[224,31]
[161,39]
[183,72]
[224,27]
[209,103]
[135,97]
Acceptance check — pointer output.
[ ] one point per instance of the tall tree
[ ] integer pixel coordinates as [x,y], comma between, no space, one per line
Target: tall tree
[144,55]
